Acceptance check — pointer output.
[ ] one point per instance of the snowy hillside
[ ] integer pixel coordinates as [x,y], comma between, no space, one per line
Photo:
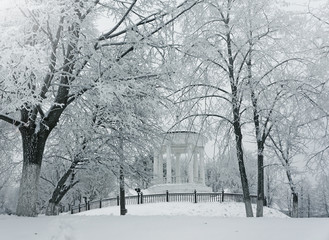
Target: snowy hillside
[169,222]
[226,209]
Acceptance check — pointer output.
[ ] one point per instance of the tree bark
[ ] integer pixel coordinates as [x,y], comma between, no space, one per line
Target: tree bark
[52,209]
[59,192]
[259,138]
[283,155]
[242,169]
[237,121]
[260,184]
[62,188]
[294,213]
[123,209]
[33,148]
[293,192]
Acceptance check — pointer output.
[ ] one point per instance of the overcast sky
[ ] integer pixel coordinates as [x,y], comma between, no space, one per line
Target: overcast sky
[5,4]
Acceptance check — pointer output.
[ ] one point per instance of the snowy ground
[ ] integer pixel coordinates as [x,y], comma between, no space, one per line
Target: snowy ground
[165,221]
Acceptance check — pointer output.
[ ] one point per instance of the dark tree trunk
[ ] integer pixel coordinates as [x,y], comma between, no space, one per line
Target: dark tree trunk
[294,213]
[259,139]
[237,121]
[33,148]
[239,150]
[268,190]
[34,137]
[242,169]
[260,183]
[61,189]
[284,157]
[123,209]
[238,138]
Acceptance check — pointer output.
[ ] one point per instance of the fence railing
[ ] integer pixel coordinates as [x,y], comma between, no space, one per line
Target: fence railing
[194,197]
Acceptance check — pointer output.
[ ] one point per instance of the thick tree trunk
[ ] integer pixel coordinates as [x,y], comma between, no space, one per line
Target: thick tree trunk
[28,191]
[33,148]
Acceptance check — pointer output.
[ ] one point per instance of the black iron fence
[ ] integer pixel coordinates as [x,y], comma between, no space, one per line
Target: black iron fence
[194,197]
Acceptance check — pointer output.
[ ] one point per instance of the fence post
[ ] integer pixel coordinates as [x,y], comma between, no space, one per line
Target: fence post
[118,200]
[141,198]
[195,200]
[167,196]
[222,195]
[100,203]
[137,197]
[79,208]
[72,211]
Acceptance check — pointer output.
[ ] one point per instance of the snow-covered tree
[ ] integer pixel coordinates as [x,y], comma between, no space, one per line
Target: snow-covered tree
[229,55]
[52,55]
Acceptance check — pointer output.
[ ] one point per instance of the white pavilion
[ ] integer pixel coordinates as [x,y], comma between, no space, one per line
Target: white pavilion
[179,163]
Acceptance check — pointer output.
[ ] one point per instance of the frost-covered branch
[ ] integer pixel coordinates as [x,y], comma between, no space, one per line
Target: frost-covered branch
[108,34]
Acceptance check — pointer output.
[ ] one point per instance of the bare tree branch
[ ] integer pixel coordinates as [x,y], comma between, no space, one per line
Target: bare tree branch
[108,34]
[11,120]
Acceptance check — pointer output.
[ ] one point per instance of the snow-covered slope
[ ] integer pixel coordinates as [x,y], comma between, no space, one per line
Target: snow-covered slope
[160,221]
[226,209]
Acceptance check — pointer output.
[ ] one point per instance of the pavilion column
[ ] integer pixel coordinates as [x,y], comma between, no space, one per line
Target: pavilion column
[155,167]
[168,153]
[202,171]
[195,166]
[177,168]
[190,164]
[160,167]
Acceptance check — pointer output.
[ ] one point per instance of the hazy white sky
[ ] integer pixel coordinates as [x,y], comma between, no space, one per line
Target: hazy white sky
[5,4]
